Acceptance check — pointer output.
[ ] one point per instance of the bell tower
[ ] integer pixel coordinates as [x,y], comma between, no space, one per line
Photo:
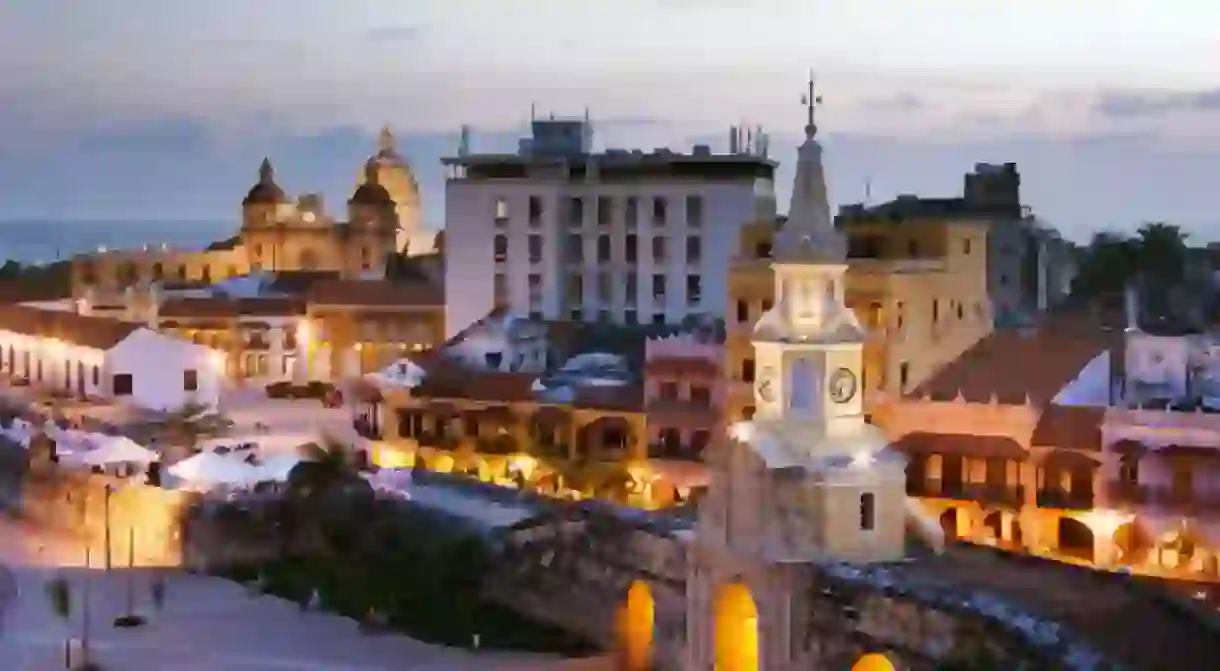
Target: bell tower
[809,346]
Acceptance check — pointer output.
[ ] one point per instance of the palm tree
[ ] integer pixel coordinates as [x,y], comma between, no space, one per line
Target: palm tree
[326,493]
[1162,251]
[190,423]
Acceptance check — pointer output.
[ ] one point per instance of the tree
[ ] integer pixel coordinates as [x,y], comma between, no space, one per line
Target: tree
[1161,251]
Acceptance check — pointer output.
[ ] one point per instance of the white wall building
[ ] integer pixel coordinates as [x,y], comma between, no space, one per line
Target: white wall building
[105,358]
[557,231]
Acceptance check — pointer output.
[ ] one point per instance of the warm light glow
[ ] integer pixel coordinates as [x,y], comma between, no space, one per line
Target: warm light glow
[523,464]
[304,333]
[358,346]
[443,464]
[636,627]
[742,432]
[308,217]
[217,360]
[389,457]
[873,661]
[736,632]
[1105,522]
[862,460]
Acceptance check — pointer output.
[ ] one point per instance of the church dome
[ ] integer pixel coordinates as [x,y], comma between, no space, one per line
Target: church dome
[265,191]
[393,172]
[370,191]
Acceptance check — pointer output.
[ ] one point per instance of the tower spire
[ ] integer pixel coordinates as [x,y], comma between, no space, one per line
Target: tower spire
[385,141]
[811,101]
[809,234]
[266,174]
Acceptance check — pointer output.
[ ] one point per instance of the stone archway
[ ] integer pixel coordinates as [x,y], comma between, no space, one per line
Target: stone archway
[1075,539]
[950,524]
[1001,523]
[736,629]
[636,626]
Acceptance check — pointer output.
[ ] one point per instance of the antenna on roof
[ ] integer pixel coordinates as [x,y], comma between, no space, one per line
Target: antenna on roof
[533,112]
[868,190]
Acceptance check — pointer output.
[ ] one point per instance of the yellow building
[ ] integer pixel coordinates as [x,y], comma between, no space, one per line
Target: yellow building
[920,287]
[279,233]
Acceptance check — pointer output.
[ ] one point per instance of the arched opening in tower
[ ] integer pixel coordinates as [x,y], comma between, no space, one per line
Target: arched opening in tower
[637,619]
[736,629]
[949,524]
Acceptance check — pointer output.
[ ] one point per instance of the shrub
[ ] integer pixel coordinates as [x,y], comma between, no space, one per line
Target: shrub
[279,390]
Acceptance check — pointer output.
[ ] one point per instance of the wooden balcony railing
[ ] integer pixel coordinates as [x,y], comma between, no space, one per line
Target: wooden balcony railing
[1177,498]
[992,494]
[1057,498]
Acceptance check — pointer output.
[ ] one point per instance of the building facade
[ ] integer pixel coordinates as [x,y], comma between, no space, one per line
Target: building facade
[557,231]
[282,233]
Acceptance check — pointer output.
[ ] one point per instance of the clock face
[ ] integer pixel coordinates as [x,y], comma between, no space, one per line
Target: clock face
[842,386]
[766,386]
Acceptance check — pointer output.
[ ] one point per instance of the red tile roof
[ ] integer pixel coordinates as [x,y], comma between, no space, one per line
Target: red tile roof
[1070,427]
[219,307]
[100,333]
[377,293]
[1008,365]
[983,447]
[676,367]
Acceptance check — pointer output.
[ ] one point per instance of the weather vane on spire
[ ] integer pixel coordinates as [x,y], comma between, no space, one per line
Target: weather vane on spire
[811,101]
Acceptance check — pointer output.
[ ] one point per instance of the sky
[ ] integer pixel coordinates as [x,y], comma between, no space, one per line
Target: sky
[147,109]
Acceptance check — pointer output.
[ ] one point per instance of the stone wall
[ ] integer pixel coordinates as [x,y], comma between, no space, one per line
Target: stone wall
[80,504]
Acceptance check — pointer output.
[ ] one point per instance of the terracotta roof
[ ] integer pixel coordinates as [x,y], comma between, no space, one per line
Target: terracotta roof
[1186,452]
[1068,426]
[95,332]
[1069,460]
[377,293]
[217,307]
[449,381]
[682,367]
[1010,364]
[983,447]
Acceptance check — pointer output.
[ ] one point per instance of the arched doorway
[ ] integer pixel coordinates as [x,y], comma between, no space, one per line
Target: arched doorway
[873,661]
[994,524]
[638,616]
[949,524]
[736,633]
[1075,539]
[1131,543]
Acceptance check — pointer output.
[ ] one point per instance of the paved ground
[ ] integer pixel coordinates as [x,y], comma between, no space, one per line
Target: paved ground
[207,624]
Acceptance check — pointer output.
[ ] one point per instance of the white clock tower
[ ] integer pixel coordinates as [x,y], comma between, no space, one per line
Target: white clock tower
[809,346]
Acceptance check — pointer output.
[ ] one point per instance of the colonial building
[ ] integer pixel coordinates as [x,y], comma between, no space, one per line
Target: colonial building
[106,359]
[559,231]
[280,233]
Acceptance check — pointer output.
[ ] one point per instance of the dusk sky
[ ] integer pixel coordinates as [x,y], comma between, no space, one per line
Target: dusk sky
[149,109]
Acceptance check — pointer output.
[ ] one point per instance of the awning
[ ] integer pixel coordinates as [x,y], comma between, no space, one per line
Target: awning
[960,444]
[1069,460]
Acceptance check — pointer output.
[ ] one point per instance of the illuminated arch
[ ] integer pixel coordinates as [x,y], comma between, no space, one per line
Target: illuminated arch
[1075,539]
[637,618]
[873,661]
[442,463]
[736,633]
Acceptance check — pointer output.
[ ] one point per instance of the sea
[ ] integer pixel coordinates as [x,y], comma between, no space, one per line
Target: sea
[46,241]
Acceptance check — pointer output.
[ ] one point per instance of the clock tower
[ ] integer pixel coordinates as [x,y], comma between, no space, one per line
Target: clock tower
[809,346]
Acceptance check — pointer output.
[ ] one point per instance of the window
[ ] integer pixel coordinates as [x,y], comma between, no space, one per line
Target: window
[631,248]
[935,310]
[501,211]
[658,319]
[605,287]
[701,395]
[158,272]
[535,315]
[630,317]
[631,211]
[605,210]
[766,305]
[190,380]
[658,249]
[1129,471]
[747,370]
[743,311]
[668,391]
[898,311]
[205,274]
[659,211]
[913,248]
[576,248]
[535,248]
[97,375]
[961,312]
[747,413]
[658,286]
[694,289]
[535,286]
[500,245]
[868,511]
[576,289]
[966,246]
[122,384]
[576,212]
[603,316]
[694,249]
[603,249]
[904,374]
[694,211]
[576,315]
[535,210]
[762,250]
[632,283]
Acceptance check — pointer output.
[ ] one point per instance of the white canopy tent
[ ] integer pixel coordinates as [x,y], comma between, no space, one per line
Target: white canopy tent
[117,450]
[208,469]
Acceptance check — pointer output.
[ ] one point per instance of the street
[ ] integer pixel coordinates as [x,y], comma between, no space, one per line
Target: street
[207,624]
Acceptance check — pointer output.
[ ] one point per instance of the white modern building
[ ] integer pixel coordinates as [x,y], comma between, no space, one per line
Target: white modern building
[99,357]
[558,231]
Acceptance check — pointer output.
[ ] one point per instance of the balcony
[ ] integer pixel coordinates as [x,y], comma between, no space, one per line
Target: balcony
[1166,496]
[1011,496]
[1064,500]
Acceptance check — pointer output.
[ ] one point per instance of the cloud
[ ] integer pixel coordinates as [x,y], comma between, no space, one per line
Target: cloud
[158,136]
[1132,104]
[400,33]
[902,102]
